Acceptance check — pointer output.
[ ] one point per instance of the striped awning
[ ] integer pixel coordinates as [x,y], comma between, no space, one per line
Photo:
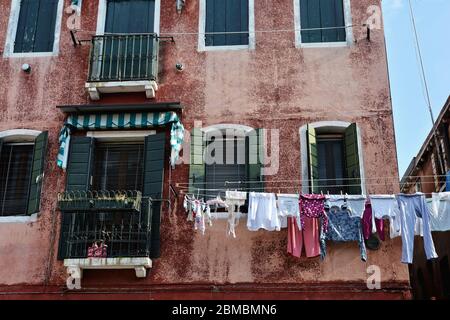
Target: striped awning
[121,121]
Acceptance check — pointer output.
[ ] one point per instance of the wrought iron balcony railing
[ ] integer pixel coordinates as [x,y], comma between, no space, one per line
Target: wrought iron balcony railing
[124,57]
[99,200]
[116,221]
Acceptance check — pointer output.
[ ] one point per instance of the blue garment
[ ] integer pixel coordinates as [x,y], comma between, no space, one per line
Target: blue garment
[343,228]
[413,207]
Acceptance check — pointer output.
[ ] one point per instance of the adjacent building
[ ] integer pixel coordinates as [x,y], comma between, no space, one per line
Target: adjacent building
[428,173]
[94,96]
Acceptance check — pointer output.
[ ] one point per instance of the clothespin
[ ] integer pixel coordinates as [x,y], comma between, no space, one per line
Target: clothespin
[341,193]
[321,192]
[328,192]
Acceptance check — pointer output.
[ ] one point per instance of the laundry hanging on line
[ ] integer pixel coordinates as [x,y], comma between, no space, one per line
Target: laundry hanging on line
[365,215]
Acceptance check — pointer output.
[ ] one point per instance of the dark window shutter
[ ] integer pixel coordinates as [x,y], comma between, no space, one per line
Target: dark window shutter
[37,172]
[310,19]
[135,16]
[197,165]
[66,219]
[313,169]
[244,22]
[45,26]
[352,160]
[340,20]
[322,14]
[255,160]
[328,20]
[153,184]
[1,144]
[209,23]
[226,16]
[36,26]
[81,154]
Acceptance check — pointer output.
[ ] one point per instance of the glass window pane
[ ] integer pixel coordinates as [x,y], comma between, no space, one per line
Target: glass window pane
[118,167]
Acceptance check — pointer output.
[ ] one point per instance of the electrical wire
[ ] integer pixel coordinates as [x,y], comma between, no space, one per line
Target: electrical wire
[259,31]
[195,33]
[424,81]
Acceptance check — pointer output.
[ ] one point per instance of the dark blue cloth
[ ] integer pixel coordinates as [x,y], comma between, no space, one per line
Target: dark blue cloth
[343,228]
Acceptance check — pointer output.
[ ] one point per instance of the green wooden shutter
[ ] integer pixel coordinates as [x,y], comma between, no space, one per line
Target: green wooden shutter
[328,20]
[226,16]
[255,143]
[37,172]
[36,26]
[79,166]
[352,160]
[66,222]
[340,20]
[313,169]
[153,184]
[310,19]
[197,163]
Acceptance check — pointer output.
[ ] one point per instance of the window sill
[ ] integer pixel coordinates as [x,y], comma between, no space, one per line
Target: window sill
[225,48]
[30,54]
[19,219]
[95,88]
[341,44]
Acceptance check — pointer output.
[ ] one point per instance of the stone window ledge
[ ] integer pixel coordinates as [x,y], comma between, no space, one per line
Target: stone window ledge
[95,88]
[75,266]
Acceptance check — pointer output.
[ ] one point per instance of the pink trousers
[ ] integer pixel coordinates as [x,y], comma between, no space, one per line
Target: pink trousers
[309,236]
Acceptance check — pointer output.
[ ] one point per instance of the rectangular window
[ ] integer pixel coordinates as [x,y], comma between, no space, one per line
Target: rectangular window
[15,173]
[36,26]
[132,16]
[118,166]
[322,21]
[330,152]
[227,22]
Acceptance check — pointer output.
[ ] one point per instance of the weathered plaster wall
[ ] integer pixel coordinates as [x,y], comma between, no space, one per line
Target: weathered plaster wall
[275,86]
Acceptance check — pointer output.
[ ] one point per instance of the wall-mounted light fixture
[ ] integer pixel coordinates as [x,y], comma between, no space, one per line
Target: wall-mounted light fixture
[26,68]
[179,67]
[180,5]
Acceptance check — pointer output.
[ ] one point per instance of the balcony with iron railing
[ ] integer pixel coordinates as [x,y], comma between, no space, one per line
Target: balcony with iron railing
[105,230]
[123,63]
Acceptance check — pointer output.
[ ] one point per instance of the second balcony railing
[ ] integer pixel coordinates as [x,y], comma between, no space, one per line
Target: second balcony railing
[124,57]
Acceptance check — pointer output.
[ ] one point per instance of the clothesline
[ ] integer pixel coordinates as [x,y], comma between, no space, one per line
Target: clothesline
[285,187]
[315,180]
[289,187]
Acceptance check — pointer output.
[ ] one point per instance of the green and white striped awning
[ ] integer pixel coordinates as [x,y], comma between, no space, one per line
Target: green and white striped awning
[121,121]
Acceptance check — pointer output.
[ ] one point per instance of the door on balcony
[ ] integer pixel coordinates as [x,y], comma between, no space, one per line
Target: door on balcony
[128,41]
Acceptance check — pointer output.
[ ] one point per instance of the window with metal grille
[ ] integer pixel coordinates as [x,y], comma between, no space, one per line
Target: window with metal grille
[36,26]
[15,172]
[226,22]
[322,21]
[118,166]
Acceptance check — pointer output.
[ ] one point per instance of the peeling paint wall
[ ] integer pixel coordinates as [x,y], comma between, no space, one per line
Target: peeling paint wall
[274,86]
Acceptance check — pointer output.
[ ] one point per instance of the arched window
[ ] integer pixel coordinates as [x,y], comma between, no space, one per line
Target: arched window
[225,153]
[332,158]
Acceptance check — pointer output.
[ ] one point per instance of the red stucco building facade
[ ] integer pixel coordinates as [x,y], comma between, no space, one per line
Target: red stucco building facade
[274,82]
